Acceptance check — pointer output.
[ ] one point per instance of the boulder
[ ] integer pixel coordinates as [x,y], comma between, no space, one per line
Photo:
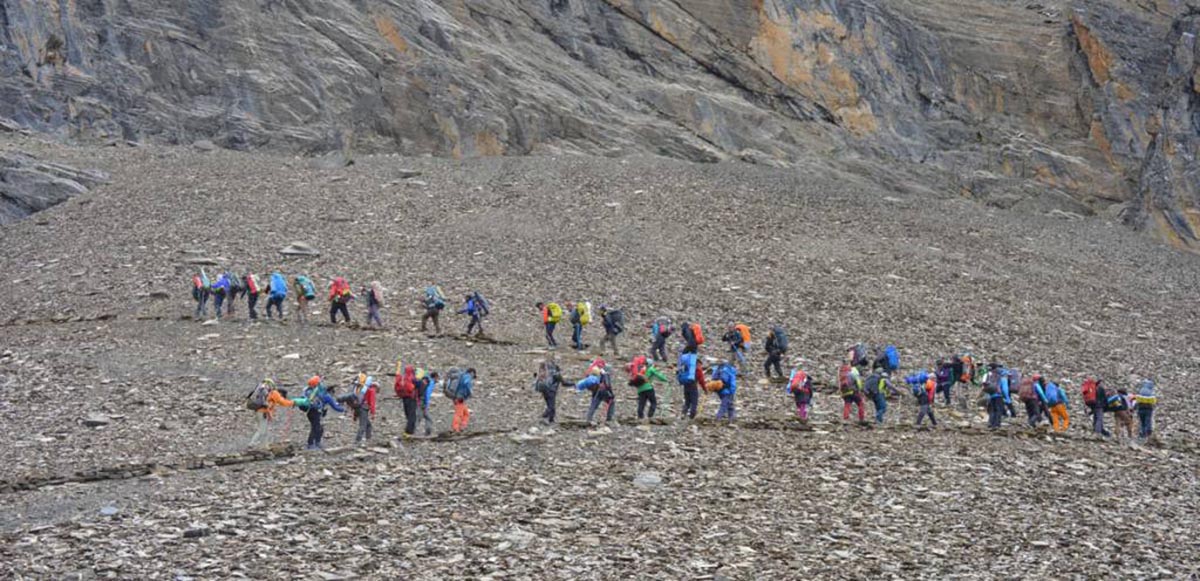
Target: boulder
[299,249]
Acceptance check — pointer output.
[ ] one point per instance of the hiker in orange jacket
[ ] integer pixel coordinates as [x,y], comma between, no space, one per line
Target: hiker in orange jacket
[275,397]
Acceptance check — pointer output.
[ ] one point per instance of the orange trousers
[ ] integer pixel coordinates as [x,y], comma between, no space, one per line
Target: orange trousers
[462,415]
[1059,417]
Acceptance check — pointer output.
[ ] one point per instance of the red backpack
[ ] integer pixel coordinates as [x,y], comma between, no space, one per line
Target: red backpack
[698,334]
[799,383]
[637,367]
[251,284]
[1089,391]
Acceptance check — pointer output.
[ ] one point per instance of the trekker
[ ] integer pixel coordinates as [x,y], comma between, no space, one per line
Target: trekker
[1030,394]
[236,288]
[426,383]
[727,374]
[996,389]
[1095,397]
[660,330]
[1014,380]
[220,291]
[1146,401]
[581,316]
[776,347]
[339,297]
[374,295]
[473,307]
[316,398]
[546,381]
[600,384]
[685,374]
[276,292]
[201,290]
[263,400]
[614,324]
[643,381]
[306,292]
[1119,405]
[463,388]
[551,314]
[856,355]
[800,386]
[924,392]
[253,288]
[364,408]
[737,341]
[1056,402]
[433,302]
[878,387]
[850,387]
[945,379]
[406,389]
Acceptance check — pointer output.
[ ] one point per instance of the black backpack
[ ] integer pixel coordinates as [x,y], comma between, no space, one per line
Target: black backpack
[617,320]
[781,339]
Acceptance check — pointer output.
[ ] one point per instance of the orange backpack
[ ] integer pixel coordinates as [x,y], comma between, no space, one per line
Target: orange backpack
[744,331]
[698,334]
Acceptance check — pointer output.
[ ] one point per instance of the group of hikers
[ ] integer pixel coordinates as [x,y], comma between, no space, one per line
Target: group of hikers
[228,287]
[414,387]
[865,375]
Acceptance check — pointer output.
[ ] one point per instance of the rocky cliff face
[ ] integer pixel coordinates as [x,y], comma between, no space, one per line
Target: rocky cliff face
[1072,107]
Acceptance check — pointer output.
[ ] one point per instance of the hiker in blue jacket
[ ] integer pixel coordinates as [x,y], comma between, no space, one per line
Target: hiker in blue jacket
[600,384]
[474,308]
[425,387]
[221,290]
[996,388]
[727,373]
[685,373]
[316,398]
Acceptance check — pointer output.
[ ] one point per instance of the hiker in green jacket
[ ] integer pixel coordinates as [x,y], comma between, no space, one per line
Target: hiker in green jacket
[642,375]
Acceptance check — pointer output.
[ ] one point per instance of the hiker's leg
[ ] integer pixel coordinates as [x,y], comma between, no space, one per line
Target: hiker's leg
[577,335]
[427,420]
[641,409]
[549,334]
[595,403]
[261,428]
[932,418]
[611,411]
[861,415]
[410,415]
[653,398]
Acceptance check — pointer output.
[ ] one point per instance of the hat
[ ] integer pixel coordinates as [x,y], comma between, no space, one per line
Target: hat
[314,381]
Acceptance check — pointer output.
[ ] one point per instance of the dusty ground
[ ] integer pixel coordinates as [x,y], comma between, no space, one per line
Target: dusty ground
[98,323]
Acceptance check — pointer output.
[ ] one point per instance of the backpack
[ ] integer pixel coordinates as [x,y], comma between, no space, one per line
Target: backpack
[584,308]
[1116,403]
[434,299]
[546,377]
[662,327]
[991,385]
[743,331]
[845,382]
[278,286]
[697,334]
[307,287]
[205,283]
[617,320]
[1014,379]
[252,284]
[1052,395]
[257,398]
[339,291]
[236,286]
[891,358]
[968,368]
[872,385]
[481,305]
[1089,391]
[858,354]
[554,312]
[1026,391]
[800,383]
[313,399]
[781,338]
[637,367]
[450,386]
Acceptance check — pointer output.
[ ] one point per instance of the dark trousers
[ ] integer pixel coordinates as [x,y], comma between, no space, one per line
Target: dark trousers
[1098,420]
[577,335]
[1033,411]
[691,399]
[315,429]
[602,397]
[550,334]
[645,397]
[335,308]
[476,322]
[218,303]
[658,349]
[373,315]
[410,415]
[550,395]
[946,391]
[1145,421]
[995,411]
[252,304]
[773,360]
[276,302]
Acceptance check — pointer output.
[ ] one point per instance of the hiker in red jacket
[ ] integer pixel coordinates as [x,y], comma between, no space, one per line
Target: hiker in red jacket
[406,390]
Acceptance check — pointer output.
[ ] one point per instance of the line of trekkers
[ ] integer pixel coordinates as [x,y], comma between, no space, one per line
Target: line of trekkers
[865,374]
[228,287]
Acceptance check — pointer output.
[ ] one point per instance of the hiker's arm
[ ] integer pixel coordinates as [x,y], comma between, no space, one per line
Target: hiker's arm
[334,404]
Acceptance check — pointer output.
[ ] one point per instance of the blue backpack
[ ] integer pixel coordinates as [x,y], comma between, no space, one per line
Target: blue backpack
[891,358]
[278,286]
